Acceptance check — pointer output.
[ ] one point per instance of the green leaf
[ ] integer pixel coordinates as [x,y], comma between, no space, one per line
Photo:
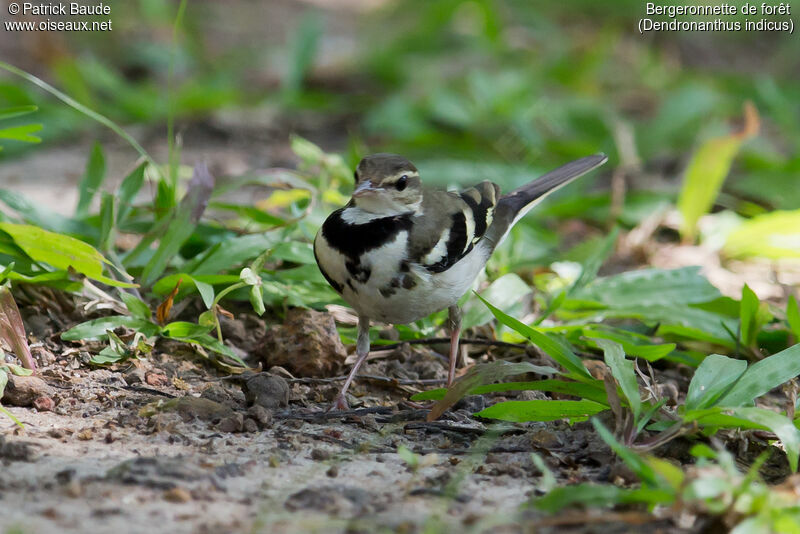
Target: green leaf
[634,345]
[774,235]
[257,299]
[712,379]
[752,317]
[295,252]
[183,329]
[509,290]
[597,257]
[622,370]
[763,376]
[561,354]
[542,410]
[594,392]
[483,374]
[648,287]
[249,212]
[637,464]
[793,317]
[107,222]
[231,253]
[16,111]
[127,191]
[136,306]
[182,225]
[92,179]
[60,251]
[302,50]
[96,328]
[206,291]
[707,170]
[598,496]
[752,417]
[781,425]
[22,133]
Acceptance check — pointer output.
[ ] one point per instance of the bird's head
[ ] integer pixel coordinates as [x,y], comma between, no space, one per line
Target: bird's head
[387,184]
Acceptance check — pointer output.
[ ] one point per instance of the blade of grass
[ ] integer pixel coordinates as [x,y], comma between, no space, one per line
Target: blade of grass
[92,179]
[108,123]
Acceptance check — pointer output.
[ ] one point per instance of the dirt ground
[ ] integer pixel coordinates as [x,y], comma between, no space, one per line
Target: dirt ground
[171,444]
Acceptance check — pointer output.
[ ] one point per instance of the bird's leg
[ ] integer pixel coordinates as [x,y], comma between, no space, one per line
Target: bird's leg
[454,325]
[362,351]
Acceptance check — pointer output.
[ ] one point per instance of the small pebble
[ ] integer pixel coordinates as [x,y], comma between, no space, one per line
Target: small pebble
[177,495]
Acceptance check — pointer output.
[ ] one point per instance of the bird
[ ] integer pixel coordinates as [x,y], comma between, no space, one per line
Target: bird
[399,251]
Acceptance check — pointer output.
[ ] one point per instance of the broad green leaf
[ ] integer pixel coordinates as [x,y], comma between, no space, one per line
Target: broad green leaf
[752,417]
[781,425]
[542,410]
[592,265]
[598,496]
[707,170]
[295,252]
[634,345]
[231,253]
[763,376]
[594,392]
[60,251]
[183,329]
[206,291]
[622,370]
[561,354]
[509,291]
[712,379]
[136,306]
[774,235]
[205,288]
[96,328]
[34,213]
[793,317]
[648,287]
[22,133]
[92,179]
[249,212]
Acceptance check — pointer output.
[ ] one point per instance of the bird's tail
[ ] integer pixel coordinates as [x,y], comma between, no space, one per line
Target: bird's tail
[511,207]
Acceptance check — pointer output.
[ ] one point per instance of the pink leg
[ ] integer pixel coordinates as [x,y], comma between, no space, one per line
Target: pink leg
[362,351]
[454,325]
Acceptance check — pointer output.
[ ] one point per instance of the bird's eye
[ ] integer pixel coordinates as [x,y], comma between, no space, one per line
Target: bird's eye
[401,183]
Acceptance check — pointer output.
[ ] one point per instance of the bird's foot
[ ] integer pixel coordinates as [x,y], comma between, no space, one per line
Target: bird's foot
[339,403]
[417,405]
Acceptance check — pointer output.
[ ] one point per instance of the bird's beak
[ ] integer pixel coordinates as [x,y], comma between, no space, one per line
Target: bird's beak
[363,189]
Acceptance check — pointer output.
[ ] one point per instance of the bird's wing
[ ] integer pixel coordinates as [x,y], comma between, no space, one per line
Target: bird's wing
[450,225]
